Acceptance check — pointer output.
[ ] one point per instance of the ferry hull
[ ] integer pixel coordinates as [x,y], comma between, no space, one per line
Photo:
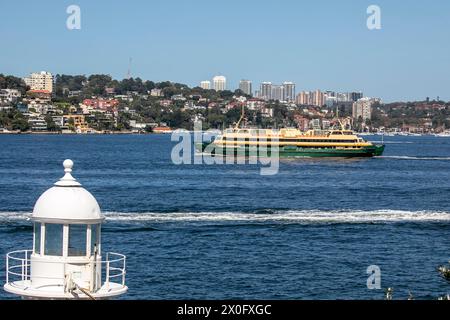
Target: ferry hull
[285,152]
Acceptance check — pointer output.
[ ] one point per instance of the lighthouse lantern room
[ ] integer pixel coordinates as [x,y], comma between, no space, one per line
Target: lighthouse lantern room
[66,261]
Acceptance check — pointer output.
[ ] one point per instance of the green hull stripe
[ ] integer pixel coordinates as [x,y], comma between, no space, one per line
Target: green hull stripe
[375,150]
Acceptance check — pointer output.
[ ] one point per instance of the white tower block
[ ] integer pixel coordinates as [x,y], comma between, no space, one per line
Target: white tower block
[66,260]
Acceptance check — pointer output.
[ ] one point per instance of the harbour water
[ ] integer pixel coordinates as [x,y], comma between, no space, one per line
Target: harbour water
[226,232]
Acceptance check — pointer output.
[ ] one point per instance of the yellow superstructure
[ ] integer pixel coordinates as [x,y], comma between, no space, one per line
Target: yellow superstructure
[291,137]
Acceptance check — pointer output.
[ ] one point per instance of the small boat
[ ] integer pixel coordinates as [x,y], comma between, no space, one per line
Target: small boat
[444,134]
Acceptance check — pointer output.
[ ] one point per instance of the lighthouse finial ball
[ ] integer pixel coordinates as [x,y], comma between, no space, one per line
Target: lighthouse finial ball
[68,165]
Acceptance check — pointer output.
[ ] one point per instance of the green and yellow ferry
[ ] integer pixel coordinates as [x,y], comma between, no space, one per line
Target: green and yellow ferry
[290,142]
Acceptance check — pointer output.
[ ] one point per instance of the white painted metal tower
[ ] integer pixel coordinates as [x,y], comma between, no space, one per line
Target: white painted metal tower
[66,261]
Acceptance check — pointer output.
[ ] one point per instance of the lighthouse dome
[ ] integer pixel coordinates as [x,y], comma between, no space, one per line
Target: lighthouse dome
[67,201]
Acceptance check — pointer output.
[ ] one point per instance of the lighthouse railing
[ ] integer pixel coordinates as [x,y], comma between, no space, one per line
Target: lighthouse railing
[18,268]
[115,267]
[18,264]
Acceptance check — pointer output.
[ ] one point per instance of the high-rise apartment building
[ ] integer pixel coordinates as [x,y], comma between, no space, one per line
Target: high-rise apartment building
[219,83]
[40,81]
[205,85]
[277,93]
[363,108]
[289,91]
[304,98]
[246,87]
[355,96]
[311,98]
[266,90]
[319,99]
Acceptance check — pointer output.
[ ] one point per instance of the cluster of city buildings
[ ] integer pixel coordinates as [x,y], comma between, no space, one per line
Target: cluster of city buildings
[269,91]
[37,104]
[40,83]
[286,93]
[219,83]
[328,98]
[38,107]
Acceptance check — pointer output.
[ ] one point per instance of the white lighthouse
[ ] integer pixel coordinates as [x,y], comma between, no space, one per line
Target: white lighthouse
[66,261]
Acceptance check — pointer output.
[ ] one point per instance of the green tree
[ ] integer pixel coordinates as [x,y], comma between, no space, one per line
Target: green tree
[258,119]
[178,119]
[11,82]
[71,124]
[20,124]
[97,83]
[226,94]
[51,125]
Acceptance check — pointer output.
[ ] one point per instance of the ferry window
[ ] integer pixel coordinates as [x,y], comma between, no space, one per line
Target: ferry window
[53,239]
[230,139]
[77,240]
[95,238]
[37,238]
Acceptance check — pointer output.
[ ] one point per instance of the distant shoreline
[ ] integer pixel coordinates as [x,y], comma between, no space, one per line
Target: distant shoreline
[83,134]
[164,133]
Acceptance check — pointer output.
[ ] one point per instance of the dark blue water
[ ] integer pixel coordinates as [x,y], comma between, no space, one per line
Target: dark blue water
[226,232]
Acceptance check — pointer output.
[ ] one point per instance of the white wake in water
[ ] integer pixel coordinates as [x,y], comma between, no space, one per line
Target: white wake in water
[288,216]
[392,142]
[414,158]
[306,216]
[14,216]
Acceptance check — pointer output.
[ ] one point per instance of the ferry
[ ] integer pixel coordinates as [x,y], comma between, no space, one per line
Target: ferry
[291,142]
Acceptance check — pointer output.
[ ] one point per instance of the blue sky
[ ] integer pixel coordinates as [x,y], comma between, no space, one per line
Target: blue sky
[317,44]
